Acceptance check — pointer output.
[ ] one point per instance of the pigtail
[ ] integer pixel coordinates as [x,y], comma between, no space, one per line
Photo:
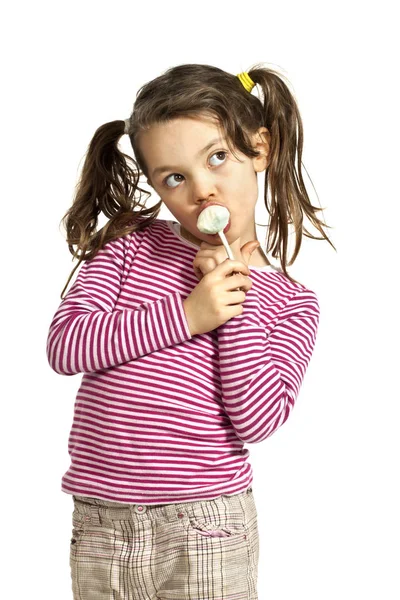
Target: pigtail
[289,201]
[108,184]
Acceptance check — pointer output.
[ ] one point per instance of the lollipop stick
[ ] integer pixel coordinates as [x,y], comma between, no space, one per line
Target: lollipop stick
[226,245]
[228,249]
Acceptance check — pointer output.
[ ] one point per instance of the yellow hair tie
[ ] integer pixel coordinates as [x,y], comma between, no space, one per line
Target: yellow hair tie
[246,81]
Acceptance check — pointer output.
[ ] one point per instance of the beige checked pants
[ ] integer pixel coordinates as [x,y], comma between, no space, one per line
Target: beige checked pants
[205,550]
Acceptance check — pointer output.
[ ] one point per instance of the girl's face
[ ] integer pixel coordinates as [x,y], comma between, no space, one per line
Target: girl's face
[189,164]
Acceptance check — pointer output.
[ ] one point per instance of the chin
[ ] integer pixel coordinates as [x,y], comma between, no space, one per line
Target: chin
[231,236]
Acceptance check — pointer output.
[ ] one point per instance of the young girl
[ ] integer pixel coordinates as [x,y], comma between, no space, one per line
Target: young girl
[186,354]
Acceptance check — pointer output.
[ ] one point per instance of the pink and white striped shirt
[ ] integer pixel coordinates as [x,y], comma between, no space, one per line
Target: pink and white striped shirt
[162,417]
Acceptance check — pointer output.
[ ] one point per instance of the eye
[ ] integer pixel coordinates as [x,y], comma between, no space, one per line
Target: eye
[175,175]
[169,176]
[220,152]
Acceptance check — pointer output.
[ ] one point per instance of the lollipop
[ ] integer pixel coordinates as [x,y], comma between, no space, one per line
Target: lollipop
[214,219]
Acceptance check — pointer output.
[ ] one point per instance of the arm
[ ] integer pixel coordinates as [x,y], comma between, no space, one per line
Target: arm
[261,373]
[87,334]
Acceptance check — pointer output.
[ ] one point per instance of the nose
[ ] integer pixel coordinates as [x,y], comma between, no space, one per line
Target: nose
[202,187]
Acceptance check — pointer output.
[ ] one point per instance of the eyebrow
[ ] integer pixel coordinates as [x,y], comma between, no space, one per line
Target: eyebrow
[167,168]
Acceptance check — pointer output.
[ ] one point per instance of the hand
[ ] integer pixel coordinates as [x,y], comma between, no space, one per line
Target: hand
[210,256]
[215,298]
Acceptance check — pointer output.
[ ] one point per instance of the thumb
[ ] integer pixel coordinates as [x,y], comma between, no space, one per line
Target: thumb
[248,249]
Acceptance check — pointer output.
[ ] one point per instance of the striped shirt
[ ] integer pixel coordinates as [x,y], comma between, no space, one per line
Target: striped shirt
[160,416]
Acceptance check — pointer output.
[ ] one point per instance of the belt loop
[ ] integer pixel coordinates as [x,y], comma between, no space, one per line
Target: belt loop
[95,515]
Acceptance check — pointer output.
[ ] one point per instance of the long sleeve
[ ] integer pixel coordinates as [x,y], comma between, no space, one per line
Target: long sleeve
[88,334]
[262,368]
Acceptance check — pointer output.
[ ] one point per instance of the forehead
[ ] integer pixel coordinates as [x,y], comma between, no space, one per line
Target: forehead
[184,135]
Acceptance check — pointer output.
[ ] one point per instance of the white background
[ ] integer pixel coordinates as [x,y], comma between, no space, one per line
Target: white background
[325,483]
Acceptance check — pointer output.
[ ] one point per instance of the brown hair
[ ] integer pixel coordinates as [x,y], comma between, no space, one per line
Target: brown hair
[109,181]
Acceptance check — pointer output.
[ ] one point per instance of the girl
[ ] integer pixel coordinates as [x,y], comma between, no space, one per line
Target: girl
[186,355]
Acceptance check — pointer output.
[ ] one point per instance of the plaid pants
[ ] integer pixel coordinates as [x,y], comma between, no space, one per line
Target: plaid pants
[205,550]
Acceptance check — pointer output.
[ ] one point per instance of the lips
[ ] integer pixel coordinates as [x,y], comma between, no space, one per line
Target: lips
[206,205]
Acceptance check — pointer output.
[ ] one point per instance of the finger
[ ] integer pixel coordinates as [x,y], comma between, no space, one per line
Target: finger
[198,273]
[235,297]
[231,266]
[205,265]
[237,281]
[219,255]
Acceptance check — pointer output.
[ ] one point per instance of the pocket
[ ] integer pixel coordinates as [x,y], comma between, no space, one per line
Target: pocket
[227,529]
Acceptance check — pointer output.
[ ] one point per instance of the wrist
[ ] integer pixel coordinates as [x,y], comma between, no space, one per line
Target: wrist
[189,318]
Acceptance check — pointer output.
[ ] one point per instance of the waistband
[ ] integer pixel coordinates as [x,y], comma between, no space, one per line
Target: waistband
[92,509]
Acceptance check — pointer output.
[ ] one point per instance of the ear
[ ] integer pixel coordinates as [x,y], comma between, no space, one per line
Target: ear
[261,142]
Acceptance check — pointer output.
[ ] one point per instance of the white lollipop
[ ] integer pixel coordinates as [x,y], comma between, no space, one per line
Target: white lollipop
[214,219]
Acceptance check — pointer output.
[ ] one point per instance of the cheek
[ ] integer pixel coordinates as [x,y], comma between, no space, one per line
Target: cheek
[241,178]
[173,204]
[244,190]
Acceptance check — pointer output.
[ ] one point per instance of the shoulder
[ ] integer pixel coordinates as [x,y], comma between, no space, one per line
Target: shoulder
[142,232]
[146,228]
[148,240]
